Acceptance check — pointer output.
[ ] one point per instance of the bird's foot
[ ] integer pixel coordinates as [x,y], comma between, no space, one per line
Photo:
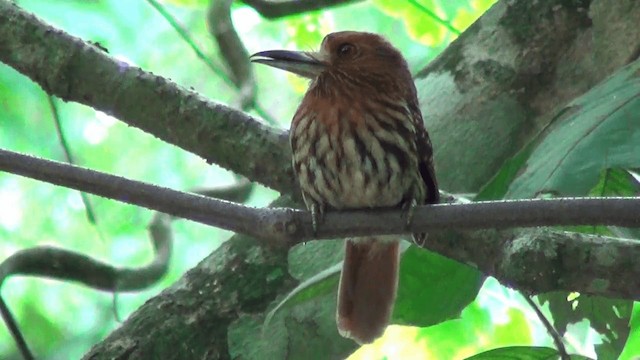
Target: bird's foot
[408,210]
[317,217]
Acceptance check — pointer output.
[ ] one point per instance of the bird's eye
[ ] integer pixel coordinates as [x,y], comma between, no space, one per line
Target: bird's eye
[346,49]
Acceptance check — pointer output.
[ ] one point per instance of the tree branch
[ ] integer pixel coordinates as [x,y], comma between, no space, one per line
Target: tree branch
[503,254]
[275,9]
[74,70]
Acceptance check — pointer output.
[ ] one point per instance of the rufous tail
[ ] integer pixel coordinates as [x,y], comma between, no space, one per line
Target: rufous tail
[367,289]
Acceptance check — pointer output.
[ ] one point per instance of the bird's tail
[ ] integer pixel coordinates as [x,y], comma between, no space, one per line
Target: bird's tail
[367,290]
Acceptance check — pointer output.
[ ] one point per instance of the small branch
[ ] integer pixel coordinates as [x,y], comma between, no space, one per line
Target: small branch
[557,338]
[57,121]
[232,50]
[435,17]
[246,98]
[186,37]
[15,332]
[185,205]
[275,9]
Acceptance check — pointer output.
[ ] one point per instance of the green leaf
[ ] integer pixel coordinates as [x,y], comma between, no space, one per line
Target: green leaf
[615,182]
[609,317]
[599,130]
[518,353]
[433,288]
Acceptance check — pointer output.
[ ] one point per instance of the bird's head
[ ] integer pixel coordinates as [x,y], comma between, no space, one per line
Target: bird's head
[356,57]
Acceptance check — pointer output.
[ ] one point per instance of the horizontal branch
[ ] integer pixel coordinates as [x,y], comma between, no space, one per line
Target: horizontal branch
[487,250]
[292,226]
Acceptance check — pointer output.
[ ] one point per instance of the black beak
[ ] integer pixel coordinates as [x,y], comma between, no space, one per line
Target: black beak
[307,64]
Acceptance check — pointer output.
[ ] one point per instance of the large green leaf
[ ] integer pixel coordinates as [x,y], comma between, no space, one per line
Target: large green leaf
[433,288]
[600,130]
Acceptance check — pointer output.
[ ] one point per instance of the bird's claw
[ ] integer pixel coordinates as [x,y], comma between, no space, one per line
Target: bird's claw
[408,209]
[317,216]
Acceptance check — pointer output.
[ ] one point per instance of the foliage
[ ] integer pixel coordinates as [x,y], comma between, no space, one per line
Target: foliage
[590,148]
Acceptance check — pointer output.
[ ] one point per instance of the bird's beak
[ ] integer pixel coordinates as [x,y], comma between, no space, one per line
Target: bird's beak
[307,64]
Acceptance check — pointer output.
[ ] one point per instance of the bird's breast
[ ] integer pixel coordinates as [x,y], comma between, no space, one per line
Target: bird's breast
[352,158]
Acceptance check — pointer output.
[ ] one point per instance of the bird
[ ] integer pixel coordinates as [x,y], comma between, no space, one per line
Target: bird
[358,141]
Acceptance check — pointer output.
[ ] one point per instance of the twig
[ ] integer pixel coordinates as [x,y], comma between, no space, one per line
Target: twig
[232,50]
[557,339]
[14,330]
[435,17]
[184,34]
[88,206]
[186,37]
